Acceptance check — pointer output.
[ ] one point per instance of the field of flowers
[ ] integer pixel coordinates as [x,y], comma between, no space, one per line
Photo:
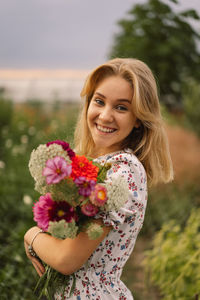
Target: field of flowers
[22,128]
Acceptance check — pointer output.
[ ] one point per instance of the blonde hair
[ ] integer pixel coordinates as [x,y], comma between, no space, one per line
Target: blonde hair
[149,142]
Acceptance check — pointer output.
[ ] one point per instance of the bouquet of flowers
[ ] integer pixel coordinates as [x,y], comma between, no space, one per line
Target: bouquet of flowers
[73,190]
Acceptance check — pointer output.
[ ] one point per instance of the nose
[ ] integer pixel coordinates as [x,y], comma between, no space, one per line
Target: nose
[106,114]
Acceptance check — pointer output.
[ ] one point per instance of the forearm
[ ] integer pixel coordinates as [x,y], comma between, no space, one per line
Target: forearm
[68,255]
[48,248]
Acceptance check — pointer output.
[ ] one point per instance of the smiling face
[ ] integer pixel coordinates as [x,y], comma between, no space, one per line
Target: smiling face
[110,117]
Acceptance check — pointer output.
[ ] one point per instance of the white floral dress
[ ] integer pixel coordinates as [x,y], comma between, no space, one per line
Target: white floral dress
[99,278]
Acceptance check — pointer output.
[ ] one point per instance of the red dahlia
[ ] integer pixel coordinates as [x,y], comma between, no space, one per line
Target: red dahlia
[81,166]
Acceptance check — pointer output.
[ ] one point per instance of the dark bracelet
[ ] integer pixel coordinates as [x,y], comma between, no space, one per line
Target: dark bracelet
[30,247]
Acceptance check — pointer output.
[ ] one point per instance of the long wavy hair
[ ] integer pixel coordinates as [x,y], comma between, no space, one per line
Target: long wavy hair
[148,142]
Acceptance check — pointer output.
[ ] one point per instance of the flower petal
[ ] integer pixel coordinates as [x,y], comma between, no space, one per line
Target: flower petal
[51,179]
[58,161]
[47,171]
[50,164]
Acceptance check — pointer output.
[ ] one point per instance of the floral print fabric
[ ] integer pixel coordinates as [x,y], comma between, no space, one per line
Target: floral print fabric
[99,278]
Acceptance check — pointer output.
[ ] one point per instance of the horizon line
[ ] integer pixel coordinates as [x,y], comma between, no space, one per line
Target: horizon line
[12,73]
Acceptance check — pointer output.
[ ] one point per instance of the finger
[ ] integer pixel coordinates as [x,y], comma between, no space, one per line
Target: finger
[40,273]
[39,264]
[36,263]
[36,268]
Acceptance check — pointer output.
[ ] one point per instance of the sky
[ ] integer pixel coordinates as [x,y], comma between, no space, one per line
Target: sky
[62,34]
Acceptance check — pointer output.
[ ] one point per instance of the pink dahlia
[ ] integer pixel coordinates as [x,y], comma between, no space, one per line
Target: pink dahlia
[89,209]
[46,210]
[85,186]
[99,196]
[41,211]
[65,147]
[56,169]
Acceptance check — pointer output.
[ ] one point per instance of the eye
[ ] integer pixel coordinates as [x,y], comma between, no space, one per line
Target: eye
[99,101]
[121,108]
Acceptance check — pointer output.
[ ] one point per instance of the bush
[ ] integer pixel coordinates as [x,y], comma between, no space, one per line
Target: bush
[170,201]
[174,261]
[191,103]
[6,109]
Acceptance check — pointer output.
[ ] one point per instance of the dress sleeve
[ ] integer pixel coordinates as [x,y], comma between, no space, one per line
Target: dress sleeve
[129,167]
[116,218]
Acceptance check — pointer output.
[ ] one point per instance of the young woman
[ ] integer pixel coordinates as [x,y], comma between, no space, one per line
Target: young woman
[121,124]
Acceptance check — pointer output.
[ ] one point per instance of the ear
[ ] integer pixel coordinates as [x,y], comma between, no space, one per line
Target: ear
[137,123]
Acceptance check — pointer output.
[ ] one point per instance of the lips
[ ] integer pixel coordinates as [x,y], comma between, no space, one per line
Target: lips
[105,129]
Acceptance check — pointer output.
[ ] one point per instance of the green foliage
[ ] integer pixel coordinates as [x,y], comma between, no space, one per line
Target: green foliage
[174,261]
[16,274]
[23,127]
[157,35]
[50,282]
[62,191]
[6,110]
[192,105]
[167,202]
[102,171]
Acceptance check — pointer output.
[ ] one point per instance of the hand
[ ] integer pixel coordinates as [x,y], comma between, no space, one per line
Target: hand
[35,261]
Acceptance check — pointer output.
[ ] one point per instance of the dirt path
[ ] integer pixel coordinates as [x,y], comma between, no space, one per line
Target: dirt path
[185,152]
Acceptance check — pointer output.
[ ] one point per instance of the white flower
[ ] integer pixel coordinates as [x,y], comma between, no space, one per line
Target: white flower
[8,143]
[24,139]
[27,200]
[32,130]
[18,258]
[38,161]
[2,164]
[18,149]
[62,229]
[94,231]
[117,192]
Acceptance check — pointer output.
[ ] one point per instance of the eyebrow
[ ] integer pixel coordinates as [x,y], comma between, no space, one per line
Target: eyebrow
[119,100]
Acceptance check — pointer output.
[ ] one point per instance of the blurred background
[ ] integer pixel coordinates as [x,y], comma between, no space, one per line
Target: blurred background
[47,49]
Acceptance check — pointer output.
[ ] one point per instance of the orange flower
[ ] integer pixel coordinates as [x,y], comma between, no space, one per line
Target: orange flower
[81,166]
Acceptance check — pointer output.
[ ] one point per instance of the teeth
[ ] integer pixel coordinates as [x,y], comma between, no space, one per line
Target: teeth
[104,129]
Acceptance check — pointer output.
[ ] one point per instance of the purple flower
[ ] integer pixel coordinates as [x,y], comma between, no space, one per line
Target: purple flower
[85,186]
[41,211]
[65,147]
[56,169]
